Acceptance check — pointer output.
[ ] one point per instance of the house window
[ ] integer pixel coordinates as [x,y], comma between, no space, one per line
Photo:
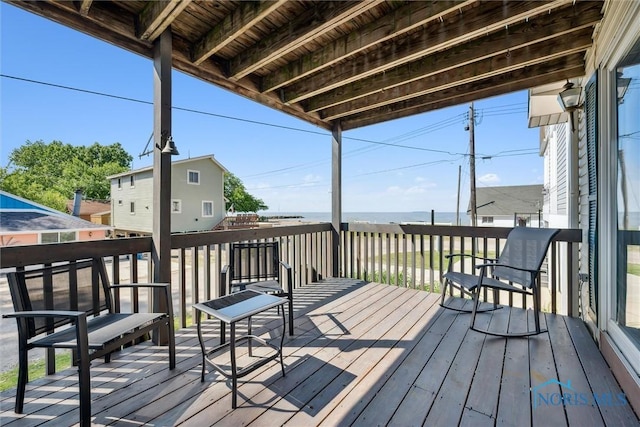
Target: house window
[193,177]
[132,181]
[487,220]
[628,202]
[176,206]
[119,183]
[119,202]
[207,208]
[132,208]
[58,237]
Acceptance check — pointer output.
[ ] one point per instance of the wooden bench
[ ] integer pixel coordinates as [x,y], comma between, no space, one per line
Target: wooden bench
[70,306]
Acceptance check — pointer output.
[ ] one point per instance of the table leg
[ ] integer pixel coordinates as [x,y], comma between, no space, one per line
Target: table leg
[284,331]
[249,339]
[198,321]
[234,375]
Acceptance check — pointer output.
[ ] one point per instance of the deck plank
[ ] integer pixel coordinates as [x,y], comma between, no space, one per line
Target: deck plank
[299,363]
[331,360]
[383,389]
[418,400]
[614,412]
[485,386]
[363,354]
[514,405]
[542,370]
[570,372]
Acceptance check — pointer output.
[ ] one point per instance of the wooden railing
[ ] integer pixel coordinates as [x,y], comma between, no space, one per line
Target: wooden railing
[414,256]
[197,260]
[402,255]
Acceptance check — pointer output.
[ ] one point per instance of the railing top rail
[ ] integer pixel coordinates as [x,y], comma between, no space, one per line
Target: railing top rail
[565,235]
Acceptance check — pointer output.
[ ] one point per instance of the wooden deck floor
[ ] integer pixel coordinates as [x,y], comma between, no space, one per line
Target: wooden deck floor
[363,354]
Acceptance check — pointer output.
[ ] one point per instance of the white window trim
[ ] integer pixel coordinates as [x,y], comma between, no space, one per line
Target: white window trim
[132,181]
[189,171]
[179,201]
[119,184]
[132,208]
[212,206]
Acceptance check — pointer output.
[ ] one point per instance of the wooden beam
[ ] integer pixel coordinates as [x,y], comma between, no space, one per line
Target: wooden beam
[402,20]
[121,26]
[336,196]
[233,25]
[477,22]
[158,16]
[84,7]
[313,22]
[538,53]
[522,79]
[498,43]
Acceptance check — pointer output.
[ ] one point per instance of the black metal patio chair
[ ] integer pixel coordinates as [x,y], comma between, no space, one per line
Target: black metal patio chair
[517,270]
[257,266]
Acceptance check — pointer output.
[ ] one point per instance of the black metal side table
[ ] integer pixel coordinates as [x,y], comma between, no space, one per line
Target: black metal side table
[230,309]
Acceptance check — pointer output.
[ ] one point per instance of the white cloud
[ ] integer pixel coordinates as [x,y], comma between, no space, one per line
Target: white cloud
[489,178]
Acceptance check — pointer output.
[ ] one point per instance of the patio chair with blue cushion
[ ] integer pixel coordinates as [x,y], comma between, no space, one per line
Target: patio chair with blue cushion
[516,270]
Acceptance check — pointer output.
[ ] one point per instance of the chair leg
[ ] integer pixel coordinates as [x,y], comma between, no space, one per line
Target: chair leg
[290,315]
[474,311]
[23,377]
[249,339]
[172,344]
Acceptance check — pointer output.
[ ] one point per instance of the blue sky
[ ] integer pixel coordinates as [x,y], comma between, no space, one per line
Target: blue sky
[290,169]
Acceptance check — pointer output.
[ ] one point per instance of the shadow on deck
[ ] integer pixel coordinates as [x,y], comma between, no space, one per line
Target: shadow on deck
[363,354]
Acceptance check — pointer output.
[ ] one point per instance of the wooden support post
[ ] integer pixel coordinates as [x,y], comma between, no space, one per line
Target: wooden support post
[336,195]
[161,254]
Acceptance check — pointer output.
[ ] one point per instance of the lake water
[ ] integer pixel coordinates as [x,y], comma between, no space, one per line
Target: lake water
[376,217]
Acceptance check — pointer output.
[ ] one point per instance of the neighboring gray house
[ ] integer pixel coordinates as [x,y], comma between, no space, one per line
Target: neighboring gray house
[509,206]
[197,197]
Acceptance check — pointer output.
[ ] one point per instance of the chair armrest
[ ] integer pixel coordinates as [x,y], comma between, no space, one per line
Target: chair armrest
[45,313]
[287,268]
[285,265]
[462,255]
[224,285]
[528,270]
[140,285]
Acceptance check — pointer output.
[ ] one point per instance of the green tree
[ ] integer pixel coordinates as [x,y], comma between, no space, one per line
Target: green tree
[50,173]
[238,197]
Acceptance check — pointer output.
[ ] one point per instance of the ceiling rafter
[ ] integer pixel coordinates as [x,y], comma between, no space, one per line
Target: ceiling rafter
[84,7]
[157,16]
[474,23]
[545,51]
[402,20]
[312,23]
[520,79]
[353,63]
[233,25]
[502,42]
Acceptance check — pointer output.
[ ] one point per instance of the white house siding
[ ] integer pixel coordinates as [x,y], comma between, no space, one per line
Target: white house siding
[190,217]
[141,195]
[615,36]
[555,178]
[211,188]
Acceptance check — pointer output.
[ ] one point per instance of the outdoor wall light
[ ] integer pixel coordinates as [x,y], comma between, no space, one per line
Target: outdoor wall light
[569,98]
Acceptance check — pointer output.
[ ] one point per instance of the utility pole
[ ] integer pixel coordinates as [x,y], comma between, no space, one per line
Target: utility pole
[472,167]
